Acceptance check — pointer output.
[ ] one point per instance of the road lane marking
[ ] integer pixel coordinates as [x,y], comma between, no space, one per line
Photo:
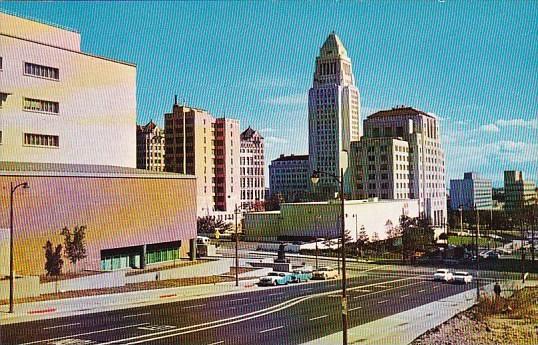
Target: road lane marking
[275,294]
[393,288]
[307,289]
[60,326]
[383,301]
[86,333]
[239,299]
[194,306]
[217,343]
[135,315]
[156,327]
[271,329]
[363,290]
[404,296]
[421,290]
[356,308]
[318,317]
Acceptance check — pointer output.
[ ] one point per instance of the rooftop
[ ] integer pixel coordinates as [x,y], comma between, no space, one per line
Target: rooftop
[400,111]
[249,133]
[81,170]
[292,157]
[333,46]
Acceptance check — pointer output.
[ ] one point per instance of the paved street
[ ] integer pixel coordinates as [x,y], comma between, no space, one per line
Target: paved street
[292,314]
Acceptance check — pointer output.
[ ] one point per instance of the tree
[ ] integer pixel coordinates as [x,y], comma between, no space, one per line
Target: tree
[209,225]
[362,239]
[273,204]
[417,234]
[75,243]
[53,259]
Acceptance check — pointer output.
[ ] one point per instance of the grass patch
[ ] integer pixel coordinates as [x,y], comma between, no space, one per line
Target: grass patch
[466,240]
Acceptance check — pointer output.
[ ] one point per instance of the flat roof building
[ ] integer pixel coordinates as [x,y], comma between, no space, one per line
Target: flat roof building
[59,104]
[289,177]
[471,192]
[518,192]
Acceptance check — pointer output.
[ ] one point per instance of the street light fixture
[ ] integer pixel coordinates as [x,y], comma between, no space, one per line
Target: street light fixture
[24,185]
[315,179]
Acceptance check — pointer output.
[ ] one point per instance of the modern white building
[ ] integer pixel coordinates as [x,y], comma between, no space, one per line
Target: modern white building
[59,104]
[289,177]
[333,114]
[310,220]
[415,158]
[471,192]
[252,165]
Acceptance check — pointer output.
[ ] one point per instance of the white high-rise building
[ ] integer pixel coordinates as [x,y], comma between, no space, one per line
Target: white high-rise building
[333,114]
[411,165]
[252,167]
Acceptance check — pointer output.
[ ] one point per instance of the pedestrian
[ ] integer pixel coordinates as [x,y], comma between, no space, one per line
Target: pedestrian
[497,289]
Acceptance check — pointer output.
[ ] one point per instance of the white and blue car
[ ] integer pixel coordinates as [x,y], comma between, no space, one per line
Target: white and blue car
[275,278]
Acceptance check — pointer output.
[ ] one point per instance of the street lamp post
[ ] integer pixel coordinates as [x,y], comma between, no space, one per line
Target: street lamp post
[477,255]
[461,218]
[356,216]
[236,212]
[340,180]
[11,273]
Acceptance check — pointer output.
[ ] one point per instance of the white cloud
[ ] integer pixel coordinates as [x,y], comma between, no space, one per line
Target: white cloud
[491,128]
[530,124]
[275,140]
[294,99]
[272,82]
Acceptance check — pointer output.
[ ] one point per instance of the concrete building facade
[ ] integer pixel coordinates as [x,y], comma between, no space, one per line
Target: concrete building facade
[289,177]
[307,221]
[252,162]
[425,155]
[333,114]
[196,143]
[518,192]
[150,147]
[133,217]
[59,104]
[471,192]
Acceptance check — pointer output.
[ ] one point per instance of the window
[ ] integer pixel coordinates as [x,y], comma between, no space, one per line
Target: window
[41,105]
[0,137]
[41,71]
[1,65]
[41,140]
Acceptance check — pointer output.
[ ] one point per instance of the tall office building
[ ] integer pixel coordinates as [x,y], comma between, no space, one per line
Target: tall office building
[252,169]
[473,191]
[59,104]
[518,192]
[196,143]
[289,177]
[150,147]
[415,169]
[333,114]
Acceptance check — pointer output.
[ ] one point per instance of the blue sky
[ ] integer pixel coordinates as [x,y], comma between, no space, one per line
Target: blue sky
[474,64]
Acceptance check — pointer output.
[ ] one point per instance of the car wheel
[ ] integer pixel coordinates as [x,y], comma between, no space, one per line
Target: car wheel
[274,283]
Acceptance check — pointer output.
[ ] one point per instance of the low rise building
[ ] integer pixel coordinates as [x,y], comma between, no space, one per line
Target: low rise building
[471,192]
[133,217]
[518,192]
[310,220]
[289,177]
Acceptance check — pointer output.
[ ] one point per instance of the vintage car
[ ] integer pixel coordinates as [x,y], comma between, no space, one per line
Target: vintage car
[275,278]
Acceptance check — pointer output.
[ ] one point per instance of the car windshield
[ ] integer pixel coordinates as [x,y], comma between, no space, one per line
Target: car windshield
[273,274]
[325,269]
[461,273]
[441,271]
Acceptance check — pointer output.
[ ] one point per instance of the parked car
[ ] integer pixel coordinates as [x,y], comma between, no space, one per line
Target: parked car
[275,278]
[203,240]
[463,277]
[443,275]
[301,276]
[325,273]
[493,255]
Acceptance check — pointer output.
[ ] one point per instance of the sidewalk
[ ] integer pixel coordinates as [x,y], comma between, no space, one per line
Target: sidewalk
[404,327]
[99,303]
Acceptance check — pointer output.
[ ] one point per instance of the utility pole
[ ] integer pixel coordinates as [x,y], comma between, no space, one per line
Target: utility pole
[477,255]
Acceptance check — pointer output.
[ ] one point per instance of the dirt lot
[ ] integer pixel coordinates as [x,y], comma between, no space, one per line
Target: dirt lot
[510,321]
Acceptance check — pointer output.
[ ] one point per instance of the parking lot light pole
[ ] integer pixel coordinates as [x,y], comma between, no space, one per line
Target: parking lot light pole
[11,272]
[340,180]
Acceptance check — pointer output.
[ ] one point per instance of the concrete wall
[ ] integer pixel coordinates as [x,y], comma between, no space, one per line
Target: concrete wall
[23,287]
[96,122]
[118,212]
[322,219]
[210,268]
[97,281]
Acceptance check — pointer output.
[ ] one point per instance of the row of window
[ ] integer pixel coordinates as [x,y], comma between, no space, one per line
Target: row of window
[41,105]
[39,140]
[41,71]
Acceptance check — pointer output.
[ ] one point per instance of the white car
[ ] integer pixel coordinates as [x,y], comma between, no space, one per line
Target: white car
[463,277]
[443,275]
[203,240]
[325,273]
[275,278]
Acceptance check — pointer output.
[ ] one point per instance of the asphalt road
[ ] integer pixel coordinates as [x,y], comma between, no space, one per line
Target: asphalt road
[283,315]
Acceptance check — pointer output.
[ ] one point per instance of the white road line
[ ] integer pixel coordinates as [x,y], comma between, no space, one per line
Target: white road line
[436,287]
[238,299]
[383,301]
[363,290]
[404,296]
[217,343]
[60,326]
[86,333]
[275,294]
[354,308]
[318,317]
[271,329]
[307,289]
[381,291]
[421,290]
[135,315]
[194,306]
